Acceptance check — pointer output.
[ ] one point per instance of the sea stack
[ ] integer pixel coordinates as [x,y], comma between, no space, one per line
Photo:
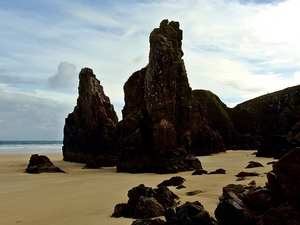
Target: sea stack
[154,135]
[89,131]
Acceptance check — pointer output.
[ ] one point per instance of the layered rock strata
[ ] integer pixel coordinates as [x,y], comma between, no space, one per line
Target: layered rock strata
[89,131]
[155,133]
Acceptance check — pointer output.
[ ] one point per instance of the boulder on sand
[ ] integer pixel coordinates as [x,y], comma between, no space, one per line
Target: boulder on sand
[41,164]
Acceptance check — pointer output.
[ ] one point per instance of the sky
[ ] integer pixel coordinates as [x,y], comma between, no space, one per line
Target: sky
[238,49]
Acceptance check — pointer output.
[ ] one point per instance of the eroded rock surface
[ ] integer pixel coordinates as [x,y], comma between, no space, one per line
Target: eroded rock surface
[89,132]
[155,134]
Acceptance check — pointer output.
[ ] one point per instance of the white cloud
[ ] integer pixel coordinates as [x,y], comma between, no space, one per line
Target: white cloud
[26,117]
[238,51]
[297,77]
[65,76]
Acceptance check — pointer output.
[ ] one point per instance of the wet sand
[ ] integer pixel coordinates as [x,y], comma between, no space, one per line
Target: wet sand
[88,196]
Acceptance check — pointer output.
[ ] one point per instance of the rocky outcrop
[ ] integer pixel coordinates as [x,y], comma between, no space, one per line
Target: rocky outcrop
[204,140]
[41,164]
[192,213]
[155,134]
[89,131]
[189,213]
[276,113]
[156,221]
[208,108]
[145,202]
[277,203]
[253,164]
[173,181]
[218,171]
[254,124]
[276,146]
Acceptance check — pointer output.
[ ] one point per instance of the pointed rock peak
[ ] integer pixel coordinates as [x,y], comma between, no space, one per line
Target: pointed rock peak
[170,33]
[89,130]
[89,85]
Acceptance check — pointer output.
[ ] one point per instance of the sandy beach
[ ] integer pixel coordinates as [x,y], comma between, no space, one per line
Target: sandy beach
[88,196]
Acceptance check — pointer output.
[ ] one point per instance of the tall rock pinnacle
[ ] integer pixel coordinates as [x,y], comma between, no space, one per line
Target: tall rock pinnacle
[154,134]
[89,132]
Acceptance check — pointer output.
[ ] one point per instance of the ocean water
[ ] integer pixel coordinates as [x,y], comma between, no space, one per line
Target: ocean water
[30,147]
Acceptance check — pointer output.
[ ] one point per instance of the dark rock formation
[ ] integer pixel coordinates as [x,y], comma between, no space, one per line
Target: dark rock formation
[277,203]
[180,186]
[261,199]
[41,164]
[214,111]
[218,171]
[204,139]
[155,134]
[247,125]
[247,174]
[190,193]
[233,211]
[173,181]
[276,113]
[89,132]
[284,214]
[156,221]
[287,171]
[199,172]
[273,145]
[192,213]
[237,189]
[145,202]
[253,164]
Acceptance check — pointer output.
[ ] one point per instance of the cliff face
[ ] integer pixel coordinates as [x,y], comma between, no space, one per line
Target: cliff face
[276,113]
[89,132]
[211,127]
[155,135]
[252,124]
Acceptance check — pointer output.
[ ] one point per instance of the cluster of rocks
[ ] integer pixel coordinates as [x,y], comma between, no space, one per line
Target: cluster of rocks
[190,213]
[276,203]
[145,203]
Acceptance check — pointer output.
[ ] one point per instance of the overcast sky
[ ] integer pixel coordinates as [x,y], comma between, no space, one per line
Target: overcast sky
[237,49]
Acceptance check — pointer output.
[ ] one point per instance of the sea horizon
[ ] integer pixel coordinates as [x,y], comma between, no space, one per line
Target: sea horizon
[30,146]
